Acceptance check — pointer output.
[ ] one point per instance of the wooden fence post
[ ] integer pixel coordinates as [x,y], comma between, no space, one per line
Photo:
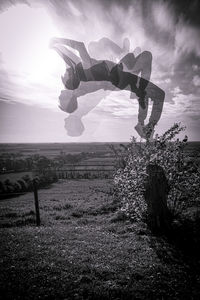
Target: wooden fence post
[37,209]
[156,193]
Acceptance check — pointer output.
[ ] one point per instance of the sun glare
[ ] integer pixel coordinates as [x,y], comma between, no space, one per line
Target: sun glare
[24,42]
[44,62]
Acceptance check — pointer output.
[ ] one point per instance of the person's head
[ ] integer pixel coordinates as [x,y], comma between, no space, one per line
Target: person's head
[70,79]
[74,126]
[68,101]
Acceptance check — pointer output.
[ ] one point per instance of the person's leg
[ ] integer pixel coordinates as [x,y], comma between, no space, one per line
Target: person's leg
[142,114]
[143,64]
[128,60]
[123,80]
[157,95]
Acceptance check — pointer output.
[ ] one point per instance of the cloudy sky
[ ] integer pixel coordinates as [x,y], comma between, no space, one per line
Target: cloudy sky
[30,71]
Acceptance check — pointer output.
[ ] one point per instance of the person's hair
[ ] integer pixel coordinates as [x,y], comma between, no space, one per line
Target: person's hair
[73,81]
[68,101]
[74,126]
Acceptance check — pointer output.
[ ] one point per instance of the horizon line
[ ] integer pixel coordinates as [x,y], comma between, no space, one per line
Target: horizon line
[1,143]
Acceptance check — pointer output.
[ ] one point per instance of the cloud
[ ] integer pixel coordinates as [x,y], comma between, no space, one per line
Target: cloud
[196,80]
[185,105]
[119,104]
[176,90]
[195,67]
[187,39]
[165,28]
[164,16]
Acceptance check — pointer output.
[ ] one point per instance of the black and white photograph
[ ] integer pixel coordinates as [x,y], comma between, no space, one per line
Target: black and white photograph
[100,149]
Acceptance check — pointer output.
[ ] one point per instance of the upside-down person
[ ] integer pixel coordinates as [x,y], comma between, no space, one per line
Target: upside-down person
[110,76]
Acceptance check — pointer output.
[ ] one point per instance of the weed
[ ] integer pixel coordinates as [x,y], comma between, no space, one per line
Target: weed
[30,213]
[119,216]
[57,207]
[78,213]
[108,208]
[61,217]
[67,206]
[11,215]
[83,221]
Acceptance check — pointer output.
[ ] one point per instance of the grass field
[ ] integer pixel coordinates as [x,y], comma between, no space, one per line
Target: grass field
[83,251]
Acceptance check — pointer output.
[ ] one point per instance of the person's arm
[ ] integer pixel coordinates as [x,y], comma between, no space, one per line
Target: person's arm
[67,60]
[67,54]
[79,46]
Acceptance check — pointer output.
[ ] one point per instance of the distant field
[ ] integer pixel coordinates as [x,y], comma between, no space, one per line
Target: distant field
[99,161]
[52,149]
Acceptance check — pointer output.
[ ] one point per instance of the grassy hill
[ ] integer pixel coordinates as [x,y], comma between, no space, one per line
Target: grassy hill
[83,251]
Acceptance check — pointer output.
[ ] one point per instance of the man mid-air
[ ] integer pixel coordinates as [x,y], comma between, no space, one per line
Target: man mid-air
[108,75]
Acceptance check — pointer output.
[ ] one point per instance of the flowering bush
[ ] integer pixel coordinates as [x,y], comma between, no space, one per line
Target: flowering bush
[130,177]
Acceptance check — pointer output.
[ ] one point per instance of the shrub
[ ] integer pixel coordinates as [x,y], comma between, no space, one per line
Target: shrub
[23,184]
[18,187]
[182,175]
[10,188]
[1,187]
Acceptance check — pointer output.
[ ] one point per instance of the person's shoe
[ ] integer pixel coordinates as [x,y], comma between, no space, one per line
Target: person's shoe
[151,135]
[139,129]
[148,132]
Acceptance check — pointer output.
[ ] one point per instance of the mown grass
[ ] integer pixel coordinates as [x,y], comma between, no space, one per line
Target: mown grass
[83,251]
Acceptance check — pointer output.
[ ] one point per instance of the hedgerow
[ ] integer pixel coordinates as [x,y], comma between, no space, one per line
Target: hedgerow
[166,151]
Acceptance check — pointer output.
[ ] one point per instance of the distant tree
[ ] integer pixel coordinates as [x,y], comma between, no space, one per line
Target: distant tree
[23,184]
[1,187]
[18,187]
[9,186]
[43,163]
